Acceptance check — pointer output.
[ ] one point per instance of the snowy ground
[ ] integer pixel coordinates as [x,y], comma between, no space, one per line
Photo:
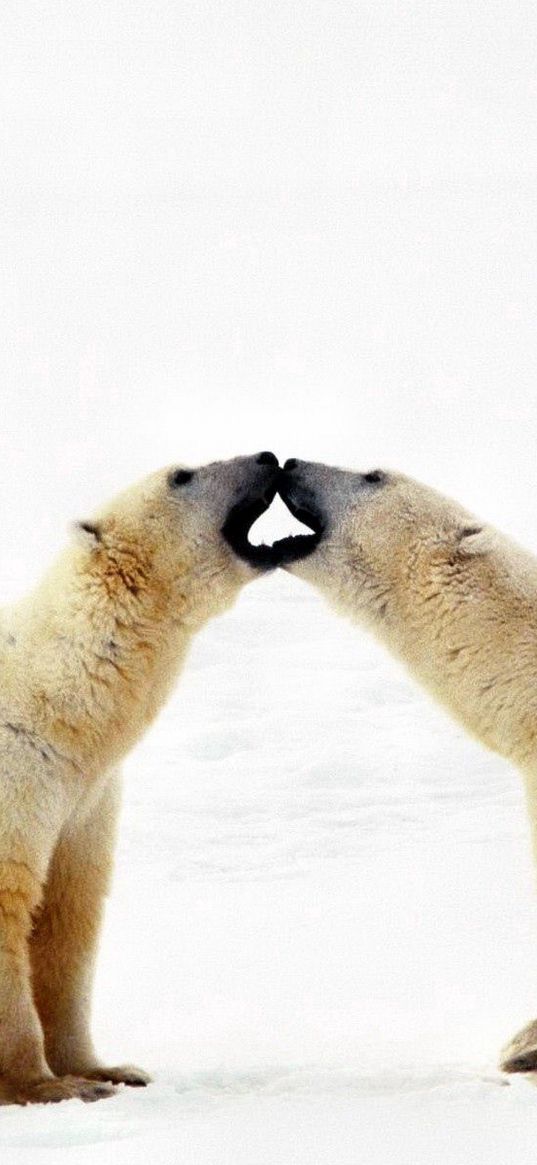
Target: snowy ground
[311,228]
[323,925]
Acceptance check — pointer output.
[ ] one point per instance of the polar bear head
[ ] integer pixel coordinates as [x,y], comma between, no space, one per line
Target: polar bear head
[376,535]
[179,538]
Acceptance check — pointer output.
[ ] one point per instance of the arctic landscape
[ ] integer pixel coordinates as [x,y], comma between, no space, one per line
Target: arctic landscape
[323,925]
[308,228]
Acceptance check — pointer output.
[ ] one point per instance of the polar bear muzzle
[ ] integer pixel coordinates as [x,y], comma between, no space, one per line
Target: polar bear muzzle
[321,496]
[257,491]
[303,500]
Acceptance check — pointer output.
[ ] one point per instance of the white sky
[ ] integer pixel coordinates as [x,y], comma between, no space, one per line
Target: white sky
[234,226]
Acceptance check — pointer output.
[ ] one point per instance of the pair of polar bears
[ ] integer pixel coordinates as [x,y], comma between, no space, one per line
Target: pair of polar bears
[89,658]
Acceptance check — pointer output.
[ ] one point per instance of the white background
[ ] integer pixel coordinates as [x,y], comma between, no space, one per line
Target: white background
[247,225]
[307,227]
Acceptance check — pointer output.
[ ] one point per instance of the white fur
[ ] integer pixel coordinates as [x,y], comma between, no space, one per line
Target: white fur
[86,662]
[451,597]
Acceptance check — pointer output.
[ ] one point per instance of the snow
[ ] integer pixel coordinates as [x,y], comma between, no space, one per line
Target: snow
[306,227]
[323,923]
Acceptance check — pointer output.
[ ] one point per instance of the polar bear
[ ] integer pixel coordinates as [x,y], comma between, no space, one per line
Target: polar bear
[86,661]
[451,597]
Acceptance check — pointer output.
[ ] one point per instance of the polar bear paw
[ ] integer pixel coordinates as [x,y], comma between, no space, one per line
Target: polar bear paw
[121,1074]
[57,1088]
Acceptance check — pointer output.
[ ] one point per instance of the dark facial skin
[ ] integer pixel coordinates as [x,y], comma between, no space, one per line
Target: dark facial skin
[257,496]
[303,505]
[298,499]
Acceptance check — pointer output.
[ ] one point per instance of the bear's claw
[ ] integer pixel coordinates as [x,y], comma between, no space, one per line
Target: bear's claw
[121,1074]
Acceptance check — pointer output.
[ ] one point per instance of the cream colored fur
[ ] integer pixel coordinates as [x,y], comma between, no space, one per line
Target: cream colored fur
[451,597]
[86,661]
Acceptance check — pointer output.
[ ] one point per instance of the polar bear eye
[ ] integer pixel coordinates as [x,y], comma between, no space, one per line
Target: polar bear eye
[374,476]
[180,477]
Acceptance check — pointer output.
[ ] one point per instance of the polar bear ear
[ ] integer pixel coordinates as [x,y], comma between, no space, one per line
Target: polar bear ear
[88,534]
[473,540]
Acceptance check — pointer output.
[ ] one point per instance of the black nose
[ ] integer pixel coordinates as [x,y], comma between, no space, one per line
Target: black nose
[290,464]
[267,458]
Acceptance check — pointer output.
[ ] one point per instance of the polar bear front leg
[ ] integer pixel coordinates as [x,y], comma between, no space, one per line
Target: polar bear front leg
[64,942]
[22,1053]
[520,1054]
[25,1075]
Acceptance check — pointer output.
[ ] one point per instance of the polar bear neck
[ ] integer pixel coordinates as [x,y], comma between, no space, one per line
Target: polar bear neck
[467,630]
[92,659]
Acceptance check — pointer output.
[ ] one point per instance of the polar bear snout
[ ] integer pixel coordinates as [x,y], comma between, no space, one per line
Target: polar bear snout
[297,488]
[256,481]
[267,458]
[323,497]
[254,494]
